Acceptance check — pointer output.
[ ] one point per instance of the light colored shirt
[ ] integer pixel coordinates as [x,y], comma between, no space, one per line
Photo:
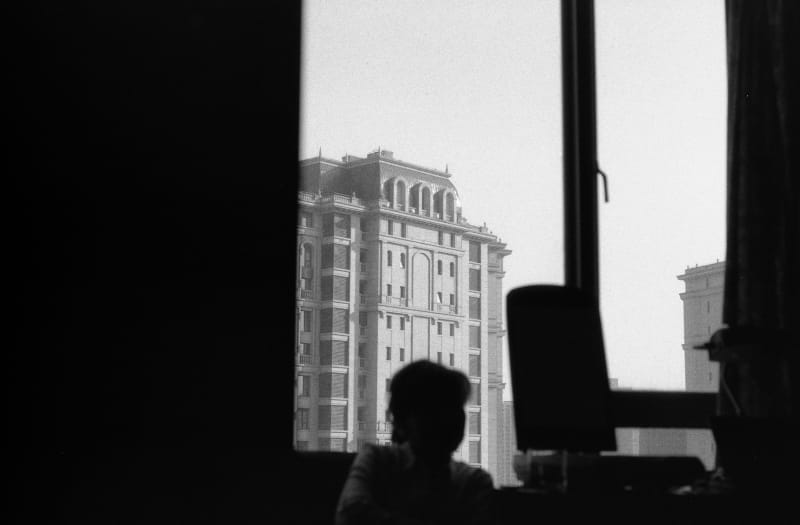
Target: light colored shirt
[386,485]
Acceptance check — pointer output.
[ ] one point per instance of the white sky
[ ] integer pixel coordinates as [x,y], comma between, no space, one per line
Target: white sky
[477,86]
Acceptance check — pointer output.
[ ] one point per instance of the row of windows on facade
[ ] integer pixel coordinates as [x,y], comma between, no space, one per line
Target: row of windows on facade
[474,330]
[335,418]
[335,353]
[335,385]
[334,224]
[340,445]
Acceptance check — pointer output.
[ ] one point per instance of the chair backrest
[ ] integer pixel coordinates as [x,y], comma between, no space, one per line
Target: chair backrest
[559,378]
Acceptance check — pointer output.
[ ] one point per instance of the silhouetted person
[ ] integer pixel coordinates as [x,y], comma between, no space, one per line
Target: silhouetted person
[416,480]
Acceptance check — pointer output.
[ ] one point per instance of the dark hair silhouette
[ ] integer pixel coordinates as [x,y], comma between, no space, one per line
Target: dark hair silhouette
[431,394]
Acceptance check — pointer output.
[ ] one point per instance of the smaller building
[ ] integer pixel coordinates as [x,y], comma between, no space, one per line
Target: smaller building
[702,316]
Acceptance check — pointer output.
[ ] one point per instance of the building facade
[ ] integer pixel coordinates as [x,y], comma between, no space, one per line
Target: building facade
[702,316]
[389,271]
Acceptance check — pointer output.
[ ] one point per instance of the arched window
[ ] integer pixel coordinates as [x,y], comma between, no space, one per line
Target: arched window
[437,204]
[449,207]
[413,199]
[388,191]
[401,195]
[426,201]
[307,269]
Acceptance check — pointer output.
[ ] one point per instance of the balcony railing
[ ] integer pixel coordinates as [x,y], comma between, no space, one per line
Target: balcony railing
[342,198]
[306,196]
[446,308]
[305,359]
[306,294]
[383,426]
[396,301]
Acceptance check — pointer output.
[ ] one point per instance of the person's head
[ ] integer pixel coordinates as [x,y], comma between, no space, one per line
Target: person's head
[427,406]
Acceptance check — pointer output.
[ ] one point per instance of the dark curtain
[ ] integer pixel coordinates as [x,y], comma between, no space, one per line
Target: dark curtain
[763,252]
[762,296]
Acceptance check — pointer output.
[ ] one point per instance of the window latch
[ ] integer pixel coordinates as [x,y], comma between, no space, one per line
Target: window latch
[605,182]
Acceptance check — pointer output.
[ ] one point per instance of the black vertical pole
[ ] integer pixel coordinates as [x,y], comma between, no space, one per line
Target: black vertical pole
[580,146]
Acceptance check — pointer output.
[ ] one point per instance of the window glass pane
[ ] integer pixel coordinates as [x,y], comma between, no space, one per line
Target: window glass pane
[471,164]
[661,114]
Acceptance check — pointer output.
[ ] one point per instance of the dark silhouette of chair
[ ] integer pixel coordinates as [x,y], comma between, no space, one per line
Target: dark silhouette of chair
[562,399]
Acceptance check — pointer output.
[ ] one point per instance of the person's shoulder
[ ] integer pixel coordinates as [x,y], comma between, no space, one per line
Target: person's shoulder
[471,475]
[374,453]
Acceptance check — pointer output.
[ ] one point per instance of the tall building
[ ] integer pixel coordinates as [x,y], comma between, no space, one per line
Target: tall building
[702,316]
[390,271]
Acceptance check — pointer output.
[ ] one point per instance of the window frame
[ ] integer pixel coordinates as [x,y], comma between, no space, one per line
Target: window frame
[634,408]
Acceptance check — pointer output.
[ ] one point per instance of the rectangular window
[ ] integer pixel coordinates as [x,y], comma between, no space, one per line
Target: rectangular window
[388,385]
[335,287]
[304,385]
[439,297]
[333,353]
[453,240]
[402,354]
[441,237]
[305,348]
[334,320]
[362,287]
[474,422]
[402,292]
[439,267]
[452,329]
[452,269]
[388,290]
[452,360]
[475,394]
[402,260]
[306,320]
[388,321]
[438,328]
[336,224]
[362,318]
[388,353]
[402,323]
[362,382]
[362,350]
[475,451]
[402,229]
[439,357]
[389,258]
[362,256]
[474,365]
[302,419]
[475,336]
[302,445]
[452,299]
[333,444]
[474,252]
[332,384]
[335,256]
[361,413]
[474,307]
[390,227]
[474,279]
[306,219]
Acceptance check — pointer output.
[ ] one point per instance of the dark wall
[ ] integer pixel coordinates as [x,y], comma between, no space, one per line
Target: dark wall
[147,376]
